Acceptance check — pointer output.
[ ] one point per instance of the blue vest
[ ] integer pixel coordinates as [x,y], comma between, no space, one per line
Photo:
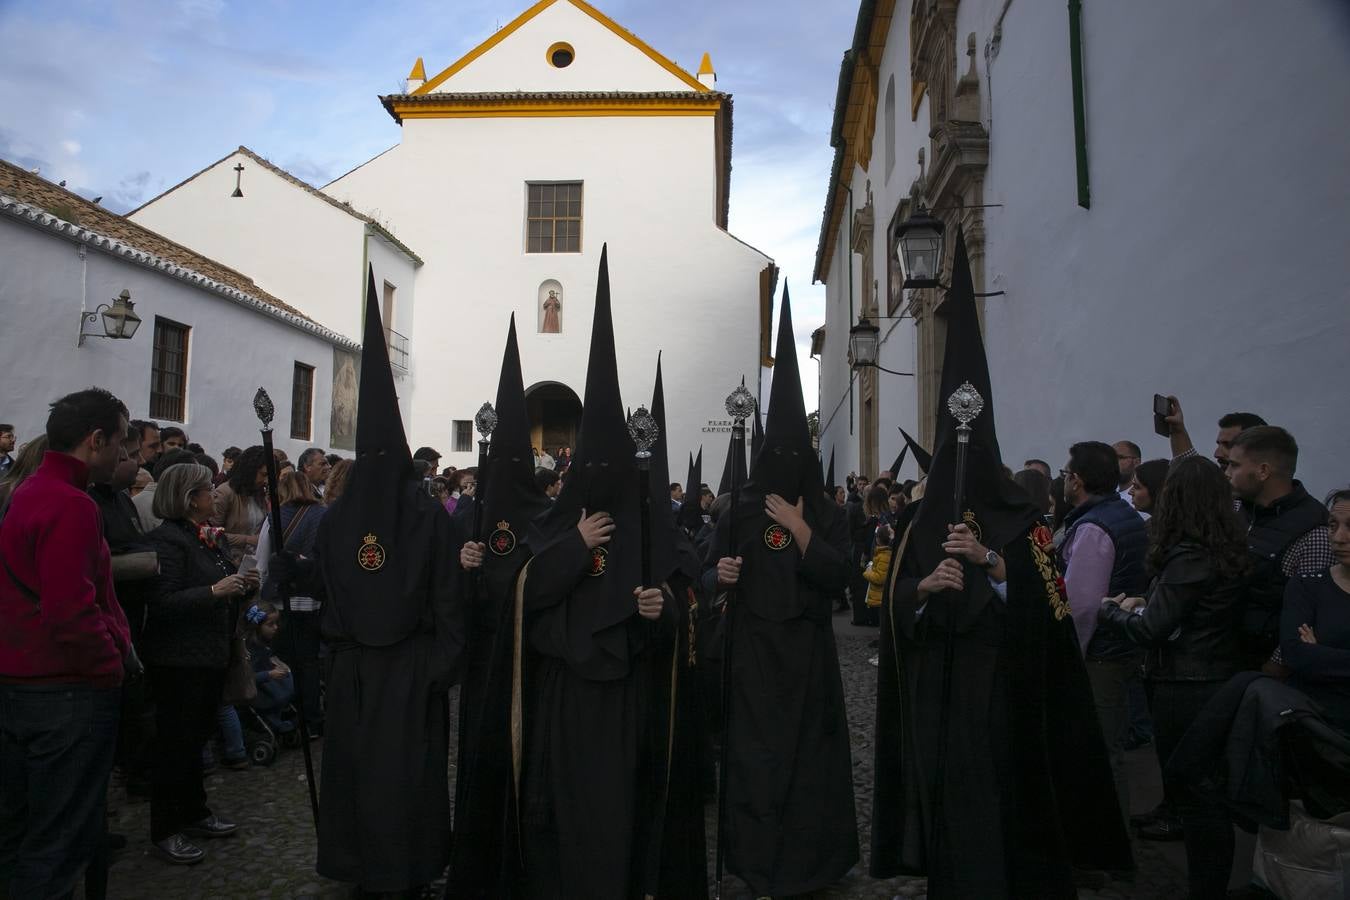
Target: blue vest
[1129,536]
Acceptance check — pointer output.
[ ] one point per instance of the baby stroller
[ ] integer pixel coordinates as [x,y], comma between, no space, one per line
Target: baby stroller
[265,735]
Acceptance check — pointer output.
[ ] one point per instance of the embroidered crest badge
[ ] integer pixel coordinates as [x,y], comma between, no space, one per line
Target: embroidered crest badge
[776,537]
[371,555]
[968,518]
[502,541]
[599,562]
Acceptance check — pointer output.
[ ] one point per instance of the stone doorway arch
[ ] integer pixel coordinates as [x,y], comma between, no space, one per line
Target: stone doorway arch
[555,415]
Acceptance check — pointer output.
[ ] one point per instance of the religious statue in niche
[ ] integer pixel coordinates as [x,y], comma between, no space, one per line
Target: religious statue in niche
[551,323]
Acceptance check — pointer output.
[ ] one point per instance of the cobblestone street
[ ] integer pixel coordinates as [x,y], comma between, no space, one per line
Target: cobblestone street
[272,856]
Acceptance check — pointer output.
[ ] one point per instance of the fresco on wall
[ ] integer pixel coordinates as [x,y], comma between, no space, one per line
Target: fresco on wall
[346,380]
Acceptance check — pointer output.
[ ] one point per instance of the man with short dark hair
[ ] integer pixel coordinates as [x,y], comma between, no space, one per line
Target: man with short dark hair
[66,646]
[1286,530]
[6,448]
[1041,466]
[1128,457]
[315,467]
[151,442]
[1230,426]
[1105,543]
[173,438]
[431,455]
[676,496]
[548,482]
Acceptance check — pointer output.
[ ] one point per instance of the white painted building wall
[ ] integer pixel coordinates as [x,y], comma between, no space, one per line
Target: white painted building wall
[1212,262]
[233,349]
[679,283]
[293,244]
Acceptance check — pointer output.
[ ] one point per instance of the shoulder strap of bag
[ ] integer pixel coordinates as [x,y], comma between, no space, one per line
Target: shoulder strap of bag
[295,520]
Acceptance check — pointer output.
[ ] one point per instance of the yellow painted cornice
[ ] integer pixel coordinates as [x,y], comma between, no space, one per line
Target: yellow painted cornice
[515,24]
[534,107]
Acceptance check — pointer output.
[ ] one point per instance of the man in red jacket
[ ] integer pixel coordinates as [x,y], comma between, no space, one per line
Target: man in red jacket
[63,643]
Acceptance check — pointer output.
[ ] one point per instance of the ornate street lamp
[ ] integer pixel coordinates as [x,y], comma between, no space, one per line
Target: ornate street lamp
[119,320]
[918,247]
[864,342]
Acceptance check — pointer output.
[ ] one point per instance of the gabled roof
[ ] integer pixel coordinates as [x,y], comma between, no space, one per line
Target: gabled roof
[38,202]
[304,186]
[551,103]
[506,31]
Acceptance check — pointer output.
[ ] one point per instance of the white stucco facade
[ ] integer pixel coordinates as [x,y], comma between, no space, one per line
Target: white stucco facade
[1210,263]
[292,242]
[51,270]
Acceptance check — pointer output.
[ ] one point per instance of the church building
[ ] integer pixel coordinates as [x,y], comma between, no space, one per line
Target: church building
[517,163]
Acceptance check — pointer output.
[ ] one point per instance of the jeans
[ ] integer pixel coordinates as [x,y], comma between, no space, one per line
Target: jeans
[186,703]
[56,754]
[1205,822]
[1110,679]
[231,732]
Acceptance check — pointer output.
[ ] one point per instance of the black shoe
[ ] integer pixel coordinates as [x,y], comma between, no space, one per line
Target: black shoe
[1163,828]
[212,826]
[179,851]
[1158,812]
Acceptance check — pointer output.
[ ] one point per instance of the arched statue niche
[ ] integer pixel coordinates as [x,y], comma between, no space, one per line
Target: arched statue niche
[550,307]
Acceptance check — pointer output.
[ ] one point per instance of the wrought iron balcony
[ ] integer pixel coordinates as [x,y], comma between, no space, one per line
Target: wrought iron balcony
[398,351]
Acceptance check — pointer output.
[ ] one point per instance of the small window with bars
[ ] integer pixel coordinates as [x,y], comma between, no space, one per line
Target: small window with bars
[462,434]
[553,218]
[302,402]
[168,371]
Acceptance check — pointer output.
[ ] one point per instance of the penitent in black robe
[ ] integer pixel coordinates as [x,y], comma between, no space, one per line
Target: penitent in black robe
[791,825]
[591,742]
[1029,794]
[384,813]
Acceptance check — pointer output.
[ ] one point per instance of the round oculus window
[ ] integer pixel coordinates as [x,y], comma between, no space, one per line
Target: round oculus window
[560,55]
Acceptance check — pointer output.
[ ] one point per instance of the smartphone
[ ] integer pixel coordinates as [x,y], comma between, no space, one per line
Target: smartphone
[1162,408]
[248,565]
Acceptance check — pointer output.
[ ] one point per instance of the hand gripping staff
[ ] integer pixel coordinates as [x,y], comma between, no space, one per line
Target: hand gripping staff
[262,405]
[740,406]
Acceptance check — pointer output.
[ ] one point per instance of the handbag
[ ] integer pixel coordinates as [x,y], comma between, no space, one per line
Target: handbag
[240,686]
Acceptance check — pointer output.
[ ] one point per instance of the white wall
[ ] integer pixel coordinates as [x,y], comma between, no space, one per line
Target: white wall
[679,284]
[232,351]
[603,61]
[1212,263]
[292,244]
[392,265]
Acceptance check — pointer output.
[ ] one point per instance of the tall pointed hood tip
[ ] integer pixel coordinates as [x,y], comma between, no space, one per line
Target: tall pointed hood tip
[379,425]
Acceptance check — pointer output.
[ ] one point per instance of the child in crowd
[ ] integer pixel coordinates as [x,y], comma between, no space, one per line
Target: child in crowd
[879,567]
[276,685]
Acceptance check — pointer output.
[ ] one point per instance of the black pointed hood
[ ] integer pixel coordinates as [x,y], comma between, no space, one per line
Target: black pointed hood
[380,537]
[829,472]
[756,435]
[1001,510]
[788,464]
[899,462]
[691,513]
[602,478]
[734,463]
[510,495]
[922,458]
[670,547]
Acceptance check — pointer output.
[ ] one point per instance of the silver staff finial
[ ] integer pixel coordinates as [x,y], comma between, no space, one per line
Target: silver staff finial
[262,405]
[485,421]
[644,431]
[965,404]
[740,404]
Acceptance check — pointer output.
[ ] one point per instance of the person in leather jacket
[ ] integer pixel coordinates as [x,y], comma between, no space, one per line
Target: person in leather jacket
[1189,626]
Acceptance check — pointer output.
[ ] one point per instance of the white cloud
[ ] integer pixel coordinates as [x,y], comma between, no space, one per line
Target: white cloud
[72,148]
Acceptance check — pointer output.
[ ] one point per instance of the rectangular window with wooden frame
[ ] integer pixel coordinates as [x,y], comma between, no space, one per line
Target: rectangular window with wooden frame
[553,217]
[168,371]
[302,402]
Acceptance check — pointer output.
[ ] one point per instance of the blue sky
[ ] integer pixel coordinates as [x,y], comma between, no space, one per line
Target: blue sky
[126,98]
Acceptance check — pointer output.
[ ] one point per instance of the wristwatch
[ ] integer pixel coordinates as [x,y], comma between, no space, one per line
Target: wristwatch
[990,559]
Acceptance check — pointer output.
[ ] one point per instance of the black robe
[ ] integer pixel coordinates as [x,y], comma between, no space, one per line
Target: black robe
[384,812]
[1028,793]
[592,748]
[791,825]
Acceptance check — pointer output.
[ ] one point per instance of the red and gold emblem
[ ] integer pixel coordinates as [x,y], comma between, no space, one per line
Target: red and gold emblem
[776,537]
[1043,538]
[599,562]
[503,540]
[371,555]
[968,518]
